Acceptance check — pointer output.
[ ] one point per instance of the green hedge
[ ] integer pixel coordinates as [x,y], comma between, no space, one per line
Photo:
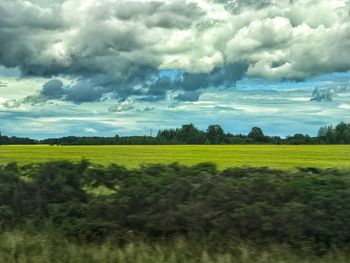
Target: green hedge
[87,202]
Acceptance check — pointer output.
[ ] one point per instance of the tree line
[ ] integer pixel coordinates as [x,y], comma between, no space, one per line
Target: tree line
[308,207]
[190,134]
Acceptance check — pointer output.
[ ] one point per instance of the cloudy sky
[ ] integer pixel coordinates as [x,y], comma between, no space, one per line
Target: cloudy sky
[106,67]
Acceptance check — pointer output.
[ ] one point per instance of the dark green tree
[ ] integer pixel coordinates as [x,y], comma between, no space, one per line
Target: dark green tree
[326,134]
[215,134]
[257,134]
[342,133]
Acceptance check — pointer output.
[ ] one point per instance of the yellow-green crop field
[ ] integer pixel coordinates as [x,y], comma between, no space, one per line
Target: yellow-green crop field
[274,156]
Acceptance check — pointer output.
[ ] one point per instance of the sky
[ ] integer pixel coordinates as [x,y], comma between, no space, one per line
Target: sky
[107,67]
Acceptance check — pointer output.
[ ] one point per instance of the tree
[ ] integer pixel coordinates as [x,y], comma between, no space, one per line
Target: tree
[215,134]
[327,134]
[342,133]
[299,139]
[189,134]
[257,134]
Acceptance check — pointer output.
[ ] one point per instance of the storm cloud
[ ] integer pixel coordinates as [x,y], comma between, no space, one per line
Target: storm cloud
[53,89]
[119,48]
[327,93]
[151,87]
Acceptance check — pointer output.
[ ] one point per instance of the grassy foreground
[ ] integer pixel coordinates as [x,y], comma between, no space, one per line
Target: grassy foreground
[274,156]
[18,247]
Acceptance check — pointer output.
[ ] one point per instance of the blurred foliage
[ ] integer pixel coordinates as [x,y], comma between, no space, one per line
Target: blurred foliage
[308,207]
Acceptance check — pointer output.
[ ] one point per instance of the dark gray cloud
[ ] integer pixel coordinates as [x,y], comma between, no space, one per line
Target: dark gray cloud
[192,85]
[327,93]
[53,90]
[192,82]
[84,92]
[160,86]
[188,96]
[150,86]
[225,76]
[25,31]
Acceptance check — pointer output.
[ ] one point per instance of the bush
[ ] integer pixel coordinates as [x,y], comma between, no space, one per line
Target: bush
[85,202]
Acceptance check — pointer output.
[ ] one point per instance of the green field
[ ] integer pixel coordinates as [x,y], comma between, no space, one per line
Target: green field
[275,156]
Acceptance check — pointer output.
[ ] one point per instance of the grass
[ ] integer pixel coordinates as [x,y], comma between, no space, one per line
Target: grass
[17,247]
[274,156]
